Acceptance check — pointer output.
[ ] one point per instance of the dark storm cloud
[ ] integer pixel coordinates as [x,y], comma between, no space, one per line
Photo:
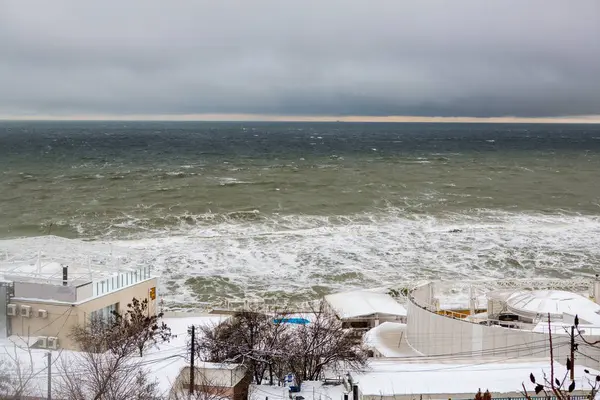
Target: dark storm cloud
[327,57]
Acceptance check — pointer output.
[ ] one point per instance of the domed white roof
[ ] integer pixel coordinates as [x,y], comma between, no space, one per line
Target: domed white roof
[556,302]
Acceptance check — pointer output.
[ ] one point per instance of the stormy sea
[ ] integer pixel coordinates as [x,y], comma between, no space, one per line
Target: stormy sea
[296,210]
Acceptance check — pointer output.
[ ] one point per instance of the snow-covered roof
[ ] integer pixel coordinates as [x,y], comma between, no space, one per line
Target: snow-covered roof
[555,302]
[41,259]
[362,303]
[389,340]
[389,378]
[562,328]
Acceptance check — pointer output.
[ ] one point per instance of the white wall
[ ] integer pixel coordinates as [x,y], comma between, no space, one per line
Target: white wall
[432,334]
[84,291]
[45,291]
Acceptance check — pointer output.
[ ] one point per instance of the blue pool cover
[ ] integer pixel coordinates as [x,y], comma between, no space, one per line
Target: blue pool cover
[299,321]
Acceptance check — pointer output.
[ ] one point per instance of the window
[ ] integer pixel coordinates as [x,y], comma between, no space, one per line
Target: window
[104,313]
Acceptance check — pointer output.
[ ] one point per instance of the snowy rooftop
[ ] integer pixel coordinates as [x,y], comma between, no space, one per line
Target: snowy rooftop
[42,258]
[564,328]
[554,302]
[394,378]
[453,294]
[389,340]
[363,303]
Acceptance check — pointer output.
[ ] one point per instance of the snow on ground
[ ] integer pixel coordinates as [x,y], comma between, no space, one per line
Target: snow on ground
[389,340]
[381,377]
[389,377]
[163,362]
[166,361]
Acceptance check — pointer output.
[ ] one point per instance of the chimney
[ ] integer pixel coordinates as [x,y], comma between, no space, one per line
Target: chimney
[65,275]
[355,392]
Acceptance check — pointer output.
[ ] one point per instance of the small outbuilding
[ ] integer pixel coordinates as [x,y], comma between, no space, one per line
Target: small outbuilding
[362,310]
[217,380]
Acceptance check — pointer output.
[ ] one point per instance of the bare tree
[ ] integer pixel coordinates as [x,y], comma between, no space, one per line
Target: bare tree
[250,338]
[106,368]
[561,387]
[135,329]
[6,380]
[16,375]
[323,344]
[103,376]
[271,346]
[139,325]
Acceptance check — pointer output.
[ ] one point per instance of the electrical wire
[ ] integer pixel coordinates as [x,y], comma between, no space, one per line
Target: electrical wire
[34,374]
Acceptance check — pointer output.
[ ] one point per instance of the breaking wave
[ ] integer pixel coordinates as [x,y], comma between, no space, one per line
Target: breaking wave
[302,257]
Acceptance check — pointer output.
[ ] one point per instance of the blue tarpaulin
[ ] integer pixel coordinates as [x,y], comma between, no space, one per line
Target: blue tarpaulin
[299,321]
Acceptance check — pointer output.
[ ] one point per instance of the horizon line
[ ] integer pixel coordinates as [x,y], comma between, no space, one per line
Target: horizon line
[579,119]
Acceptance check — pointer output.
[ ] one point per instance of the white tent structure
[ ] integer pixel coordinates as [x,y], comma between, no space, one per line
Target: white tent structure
[363,309]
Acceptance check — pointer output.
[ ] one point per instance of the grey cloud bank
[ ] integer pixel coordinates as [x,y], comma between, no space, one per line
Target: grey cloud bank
[424,58]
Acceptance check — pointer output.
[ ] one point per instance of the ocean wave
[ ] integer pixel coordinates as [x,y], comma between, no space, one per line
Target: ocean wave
[228,181]
[213,256]
[294,255]
[177,174]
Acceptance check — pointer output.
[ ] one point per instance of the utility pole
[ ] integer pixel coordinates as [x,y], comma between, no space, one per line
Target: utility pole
[572,353]
[192,371]
[49,376]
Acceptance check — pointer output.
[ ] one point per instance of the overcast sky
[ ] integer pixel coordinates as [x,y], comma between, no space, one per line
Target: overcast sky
[312,57]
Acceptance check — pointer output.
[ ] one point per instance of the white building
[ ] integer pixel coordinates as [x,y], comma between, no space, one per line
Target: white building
[53,284]
[515,324]
[365,309]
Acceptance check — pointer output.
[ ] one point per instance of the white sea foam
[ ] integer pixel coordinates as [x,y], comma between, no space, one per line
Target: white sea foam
[210,257]
[306,255]
[229,181]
